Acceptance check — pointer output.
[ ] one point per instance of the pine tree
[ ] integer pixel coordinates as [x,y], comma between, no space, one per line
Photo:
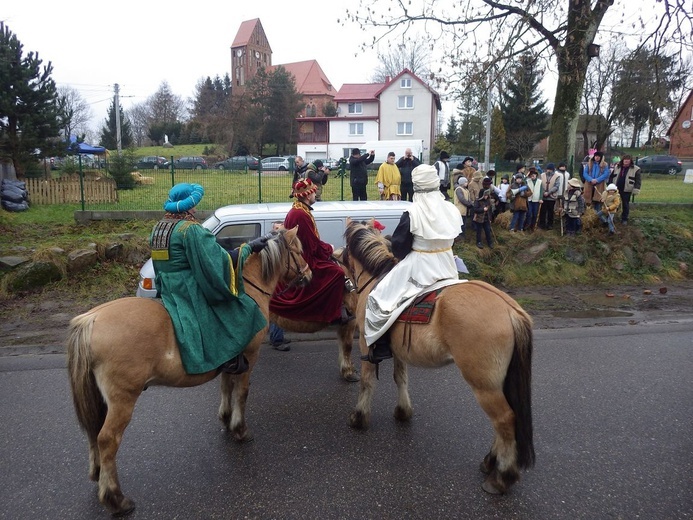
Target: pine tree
[109,138]
[524,114]
[29,115]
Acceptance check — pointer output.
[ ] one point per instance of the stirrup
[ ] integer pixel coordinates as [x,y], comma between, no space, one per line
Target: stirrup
[235,366]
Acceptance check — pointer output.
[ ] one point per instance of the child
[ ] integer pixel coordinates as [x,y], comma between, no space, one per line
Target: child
[574,207]
[482,217]
[502,205]
[610,205]
[463,202]
[518,193]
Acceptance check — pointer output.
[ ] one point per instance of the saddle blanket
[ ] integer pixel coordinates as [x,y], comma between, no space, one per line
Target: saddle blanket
[421,310]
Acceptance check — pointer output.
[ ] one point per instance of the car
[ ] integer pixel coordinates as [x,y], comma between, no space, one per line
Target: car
[152,162]
[275,163]
[332,164]
[237,224]
[191,162]
[238,162]
[660,164]
[459,159]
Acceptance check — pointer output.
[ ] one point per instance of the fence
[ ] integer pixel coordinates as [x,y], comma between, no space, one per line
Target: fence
[72,190]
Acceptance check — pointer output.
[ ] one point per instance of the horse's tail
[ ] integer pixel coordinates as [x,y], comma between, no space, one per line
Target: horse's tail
[517,387]
[89,404]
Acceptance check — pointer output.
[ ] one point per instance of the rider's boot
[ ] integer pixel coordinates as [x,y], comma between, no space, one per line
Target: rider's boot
[379,350]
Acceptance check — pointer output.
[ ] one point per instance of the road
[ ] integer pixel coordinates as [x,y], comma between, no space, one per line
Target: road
[613,416]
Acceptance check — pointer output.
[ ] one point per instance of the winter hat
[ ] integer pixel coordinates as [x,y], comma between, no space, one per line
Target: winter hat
[562,165]
[462,181]
[486,182]
[506,177]
[551,166]
[611,187]
[520,167]
[304,187]
[355,151]
[468,159]
[575,183]
[600,154]
[444,155]
[318,164]
[459,167]
[183,197]
[532,171]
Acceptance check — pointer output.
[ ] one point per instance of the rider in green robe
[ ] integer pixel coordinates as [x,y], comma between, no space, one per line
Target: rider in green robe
[214,320]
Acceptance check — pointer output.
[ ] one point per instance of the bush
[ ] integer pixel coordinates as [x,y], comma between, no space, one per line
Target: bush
[120,167]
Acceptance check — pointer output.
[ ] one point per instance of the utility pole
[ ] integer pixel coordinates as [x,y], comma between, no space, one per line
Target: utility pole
[487,148]
[119,144]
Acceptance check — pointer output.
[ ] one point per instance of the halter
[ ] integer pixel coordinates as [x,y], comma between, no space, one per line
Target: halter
[346,263]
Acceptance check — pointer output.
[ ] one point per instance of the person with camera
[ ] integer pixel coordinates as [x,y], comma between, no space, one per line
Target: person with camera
[359,173]
[406,164]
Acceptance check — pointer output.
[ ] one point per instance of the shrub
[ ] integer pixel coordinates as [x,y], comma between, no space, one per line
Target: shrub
[120,166]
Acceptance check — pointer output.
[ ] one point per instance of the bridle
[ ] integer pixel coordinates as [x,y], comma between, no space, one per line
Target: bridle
[347,263]
[300,272]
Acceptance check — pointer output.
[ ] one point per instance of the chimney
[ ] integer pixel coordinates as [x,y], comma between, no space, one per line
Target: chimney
[387,79]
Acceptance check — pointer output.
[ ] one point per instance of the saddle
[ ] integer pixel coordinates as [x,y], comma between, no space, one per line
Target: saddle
[421,310]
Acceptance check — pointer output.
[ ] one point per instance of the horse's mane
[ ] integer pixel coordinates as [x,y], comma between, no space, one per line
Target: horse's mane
[271,255]
[370,248]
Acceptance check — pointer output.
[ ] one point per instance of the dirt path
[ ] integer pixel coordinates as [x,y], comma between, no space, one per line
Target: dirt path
[37,324]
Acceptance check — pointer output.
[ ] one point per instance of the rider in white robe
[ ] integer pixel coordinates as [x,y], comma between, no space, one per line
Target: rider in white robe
[425,235]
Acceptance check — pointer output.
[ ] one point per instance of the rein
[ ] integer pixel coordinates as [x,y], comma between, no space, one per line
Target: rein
[298,280]
[356,278]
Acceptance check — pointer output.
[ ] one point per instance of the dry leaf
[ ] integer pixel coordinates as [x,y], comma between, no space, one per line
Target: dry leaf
[609,295]
[647,291]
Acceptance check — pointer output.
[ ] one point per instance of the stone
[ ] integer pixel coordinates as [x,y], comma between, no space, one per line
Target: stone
[628,254]
[33,275]
[81,259]
[529,255]
[652,260]
[10,262]
[113,251]
[574,256]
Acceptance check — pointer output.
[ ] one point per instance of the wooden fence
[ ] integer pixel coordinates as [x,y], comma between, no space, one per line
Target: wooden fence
[67,191]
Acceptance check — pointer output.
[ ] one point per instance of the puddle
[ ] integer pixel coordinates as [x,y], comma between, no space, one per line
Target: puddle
[593,313]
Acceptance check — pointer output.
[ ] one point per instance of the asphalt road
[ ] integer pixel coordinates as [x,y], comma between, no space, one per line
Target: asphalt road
[613,416]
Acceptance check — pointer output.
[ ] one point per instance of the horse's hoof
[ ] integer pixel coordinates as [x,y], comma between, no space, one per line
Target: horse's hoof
[490,488]
[403,414]
[484,468]
[352,377]
[245,438]
[127,507]
[358,420]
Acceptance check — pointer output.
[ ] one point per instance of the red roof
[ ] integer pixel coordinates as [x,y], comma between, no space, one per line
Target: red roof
[309,77]
[359,92]
[245,32]
[435,94]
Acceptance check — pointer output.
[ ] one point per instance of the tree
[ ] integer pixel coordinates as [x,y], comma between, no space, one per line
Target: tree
[138,115]
[409,54]
[452,133]
[75,112]
[29,117]
[211,110]
[524,114]
[165,111]
[497,133]
[109,137]
[563,33]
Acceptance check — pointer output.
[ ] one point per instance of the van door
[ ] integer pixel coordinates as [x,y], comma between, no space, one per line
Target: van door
[331,230]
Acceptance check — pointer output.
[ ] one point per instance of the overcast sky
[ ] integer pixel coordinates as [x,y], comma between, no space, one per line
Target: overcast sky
[139,44]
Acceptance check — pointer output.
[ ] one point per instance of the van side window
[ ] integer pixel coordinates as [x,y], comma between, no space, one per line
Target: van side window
[234,235]
[333,227]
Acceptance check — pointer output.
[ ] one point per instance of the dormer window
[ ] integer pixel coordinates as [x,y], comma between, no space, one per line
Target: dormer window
[355,108]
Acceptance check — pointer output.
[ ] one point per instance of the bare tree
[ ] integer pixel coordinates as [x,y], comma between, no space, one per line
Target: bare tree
[410,53]
[165,107]
[75,112]
[139,121]
[478,35]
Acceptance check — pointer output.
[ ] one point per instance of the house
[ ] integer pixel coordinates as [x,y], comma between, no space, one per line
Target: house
[401,108]
[680,132]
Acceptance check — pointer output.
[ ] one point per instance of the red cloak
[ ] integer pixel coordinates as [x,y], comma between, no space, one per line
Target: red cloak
[322,299]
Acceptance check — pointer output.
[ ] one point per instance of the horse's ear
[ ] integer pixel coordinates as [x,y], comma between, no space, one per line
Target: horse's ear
[348,221]
[291,233]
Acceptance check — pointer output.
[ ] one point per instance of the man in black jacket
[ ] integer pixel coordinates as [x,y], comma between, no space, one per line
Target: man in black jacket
[406,164]
[359,173]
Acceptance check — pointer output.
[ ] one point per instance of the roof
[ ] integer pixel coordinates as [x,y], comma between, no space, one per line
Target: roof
[359,92]
[435,94]
[309,77]
[245,32]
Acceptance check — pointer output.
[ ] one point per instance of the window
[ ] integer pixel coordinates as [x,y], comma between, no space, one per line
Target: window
[405,83]
[233,236]
[405,101]
[405,128]
[355,128]
[355,108]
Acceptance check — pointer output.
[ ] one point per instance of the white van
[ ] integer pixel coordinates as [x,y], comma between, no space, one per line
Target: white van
[237,224]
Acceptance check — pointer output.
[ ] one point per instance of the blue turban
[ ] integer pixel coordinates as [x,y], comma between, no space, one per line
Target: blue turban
[183,197]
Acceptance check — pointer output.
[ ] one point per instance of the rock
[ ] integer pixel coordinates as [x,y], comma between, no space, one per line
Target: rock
[618,266]
[652,260]
[113,251]
[663,290]
[57,250]
[81,259]
[10,262]
[126,236]
[529,255]
[33,275]
[574,256]
[628,254]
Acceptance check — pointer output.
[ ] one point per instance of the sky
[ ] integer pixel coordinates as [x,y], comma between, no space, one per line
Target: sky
[138,45]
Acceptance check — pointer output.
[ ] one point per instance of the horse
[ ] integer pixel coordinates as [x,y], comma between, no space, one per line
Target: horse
[494,358]
[345,331]
[118,349]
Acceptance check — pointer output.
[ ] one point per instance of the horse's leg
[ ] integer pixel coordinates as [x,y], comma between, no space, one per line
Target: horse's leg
[234,394]
[346,339]
[361,415]
[120,407]
[403,410]
[500,464]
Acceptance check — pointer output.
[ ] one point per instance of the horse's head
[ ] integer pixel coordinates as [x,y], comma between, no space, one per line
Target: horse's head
[367,248]
[284,253]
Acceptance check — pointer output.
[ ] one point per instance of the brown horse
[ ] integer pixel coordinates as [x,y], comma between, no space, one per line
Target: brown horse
[118,349]
[495,358]
[345,332]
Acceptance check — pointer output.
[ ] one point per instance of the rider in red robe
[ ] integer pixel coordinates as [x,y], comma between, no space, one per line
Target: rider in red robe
[322,299]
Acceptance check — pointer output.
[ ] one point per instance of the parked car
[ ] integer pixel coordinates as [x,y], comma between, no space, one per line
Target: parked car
[459,159]
[238,162]
[152,162]
[660,164]
[190,163]
[275,163]
[240,223]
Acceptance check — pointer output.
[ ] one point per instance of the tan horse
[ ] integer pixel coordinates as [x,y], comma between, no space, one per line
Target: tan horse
[345,332]
[495,358]
[118,349]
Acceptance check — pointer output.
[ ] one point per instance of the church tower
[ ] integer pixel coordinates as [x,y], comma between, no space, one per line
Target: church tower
[250,51]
